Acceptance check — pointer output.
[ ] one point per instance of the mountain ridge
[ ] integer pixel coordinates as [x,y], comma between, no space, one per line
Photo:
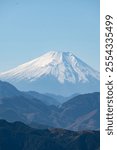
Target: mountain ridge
[18,136]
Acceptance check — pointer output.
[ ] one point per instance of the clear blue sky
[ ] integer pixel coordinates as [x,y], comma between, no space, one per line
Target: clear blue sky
[29,28]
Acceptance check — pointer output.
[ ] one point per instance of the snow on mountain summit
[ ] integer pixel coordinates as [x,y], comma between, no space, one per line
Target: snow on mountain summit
[64,66]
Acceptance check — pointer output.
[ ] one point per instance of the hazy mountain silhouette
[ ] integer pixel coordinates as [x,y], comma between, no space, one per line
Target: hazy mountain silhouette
[78,113]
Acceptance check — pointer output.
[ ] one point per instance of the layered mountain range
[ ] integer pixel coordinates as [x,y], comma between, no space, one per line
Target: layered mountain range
[81,112]
[54,72]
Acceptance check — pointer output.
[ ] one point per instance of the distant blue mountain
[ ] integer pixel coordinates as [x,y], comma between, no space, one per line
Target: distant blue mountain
[79,113]
[8,90]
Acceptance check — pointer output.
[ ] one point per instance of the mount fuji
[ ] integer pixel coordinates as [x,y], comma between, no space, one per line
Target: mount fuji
[60,73]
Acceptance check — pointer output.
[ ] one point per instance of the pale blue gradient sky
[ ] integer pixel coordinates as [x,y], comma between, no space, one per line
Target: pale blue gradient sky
[29,28]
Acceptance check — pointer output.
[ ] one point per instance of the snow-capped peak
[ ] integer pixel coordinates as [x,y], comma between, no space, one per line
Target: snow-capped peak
[64,66]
